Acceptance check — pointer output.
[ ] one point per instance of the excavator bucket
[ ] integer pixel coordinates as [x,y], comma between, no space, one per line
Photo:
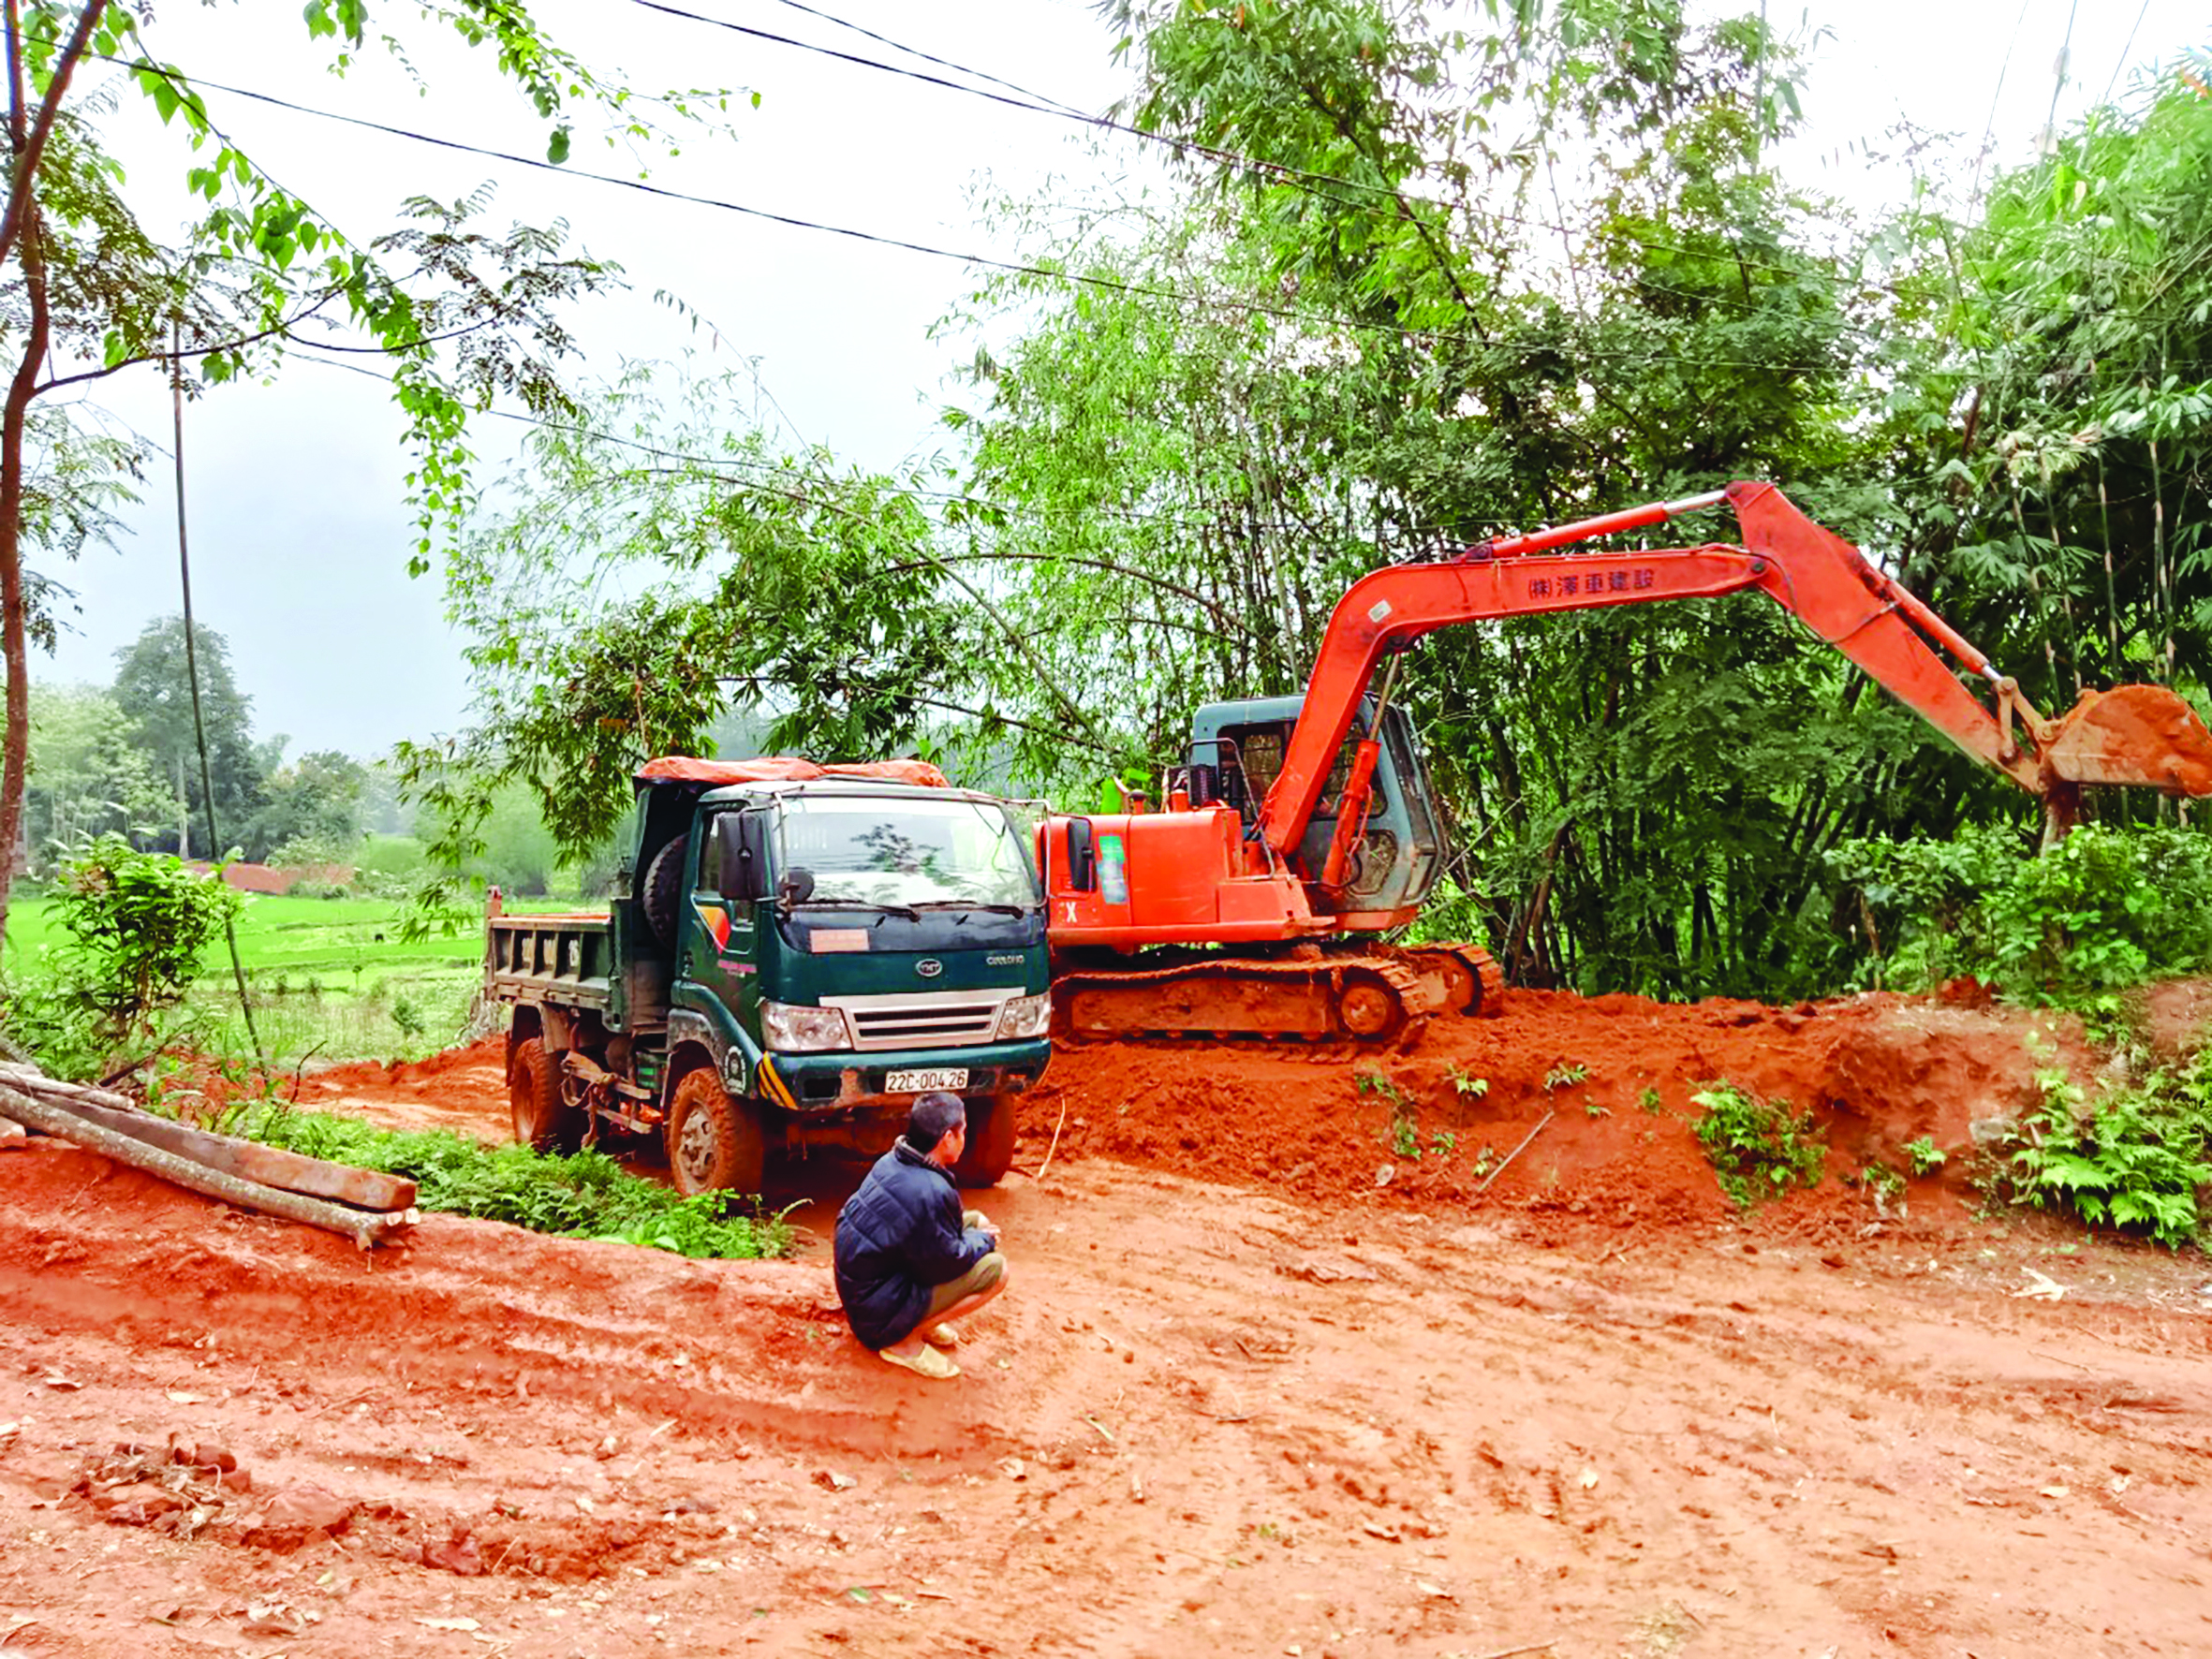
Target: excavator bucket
[2134,734]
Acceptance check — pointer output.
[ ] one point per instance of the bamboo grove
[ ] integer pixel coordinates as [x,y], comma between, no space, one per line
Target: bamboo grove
[1420,273]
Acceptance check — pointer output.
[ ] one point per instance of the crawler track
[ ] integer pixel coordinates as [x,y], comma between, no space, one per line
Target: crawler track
[1368,996]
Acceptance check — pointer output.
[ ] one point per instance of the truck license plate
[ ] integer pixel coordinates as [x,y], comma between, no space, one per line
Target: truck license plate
[947,1077]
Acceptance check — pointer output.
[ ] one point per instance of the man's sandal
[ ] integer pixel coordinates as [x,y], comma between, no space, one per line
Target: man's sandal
[926,1361]
[944,1336]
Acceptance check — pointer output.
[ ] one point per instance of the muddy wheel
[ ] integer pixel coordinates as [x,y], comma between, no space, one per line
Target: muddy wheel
[713,1141]
[662,890]
[1367,1008]
[989,1143]
[542,1120]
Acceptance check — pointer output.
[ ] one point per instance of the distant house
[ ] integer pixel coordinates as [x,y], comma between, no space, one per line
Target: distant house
[277,878]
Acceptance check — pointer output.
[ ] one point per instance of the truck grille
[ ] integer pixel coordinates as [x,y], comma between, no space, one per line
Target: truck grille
[934,1020]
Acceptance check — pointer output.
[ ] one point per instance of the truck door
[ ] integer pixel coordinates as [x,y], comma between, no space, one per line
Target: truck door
[728,873]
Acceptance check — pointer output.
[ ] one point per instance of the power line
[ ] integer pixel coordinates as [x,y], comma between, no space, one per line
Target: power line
[1301,178]
[1297,177]
[2120,63]
[1989,127]
[925,57]
[1242,307]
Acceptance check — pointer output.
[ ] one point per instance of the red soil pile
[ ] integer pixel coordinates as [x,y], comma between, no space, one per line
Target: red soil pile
[1616,1074]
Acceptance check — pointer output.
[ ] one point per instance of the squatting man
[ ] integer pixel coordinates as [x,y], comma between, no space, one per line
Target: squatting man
[910,1261]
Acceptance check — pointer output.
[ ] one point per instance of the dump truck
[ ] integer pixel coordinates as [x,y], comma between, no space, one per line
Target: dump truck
[793,954]
[1301,829]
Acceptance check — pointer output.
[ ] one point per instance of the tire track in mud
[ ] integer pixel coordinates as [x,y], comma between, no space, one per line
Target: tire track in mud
[1703,1479]
[1242,1424]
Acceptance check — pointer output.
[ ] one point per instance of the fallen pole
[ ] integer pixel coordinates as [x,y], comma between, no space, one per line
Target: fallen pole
[365,1228]
[1510,1157]
[292,1173]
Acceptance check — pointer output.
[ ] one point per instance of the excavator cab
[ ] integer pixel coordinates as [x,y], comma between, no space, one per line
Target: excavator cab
[1236,754]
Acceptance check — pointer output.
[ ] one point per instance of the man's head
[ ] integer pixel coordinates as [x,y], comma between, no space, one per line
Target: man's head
[935,1118]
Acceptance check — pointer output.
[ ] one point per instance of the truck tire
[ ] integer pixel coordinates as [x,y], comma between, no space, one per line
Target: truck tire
[662,890]
[989,1143]
[543,1122]
[714,1143]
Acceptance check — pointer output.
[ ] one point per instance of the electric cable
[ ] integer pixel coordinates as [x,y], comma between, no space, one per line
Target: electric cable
[2120,63]
[1298,177]
[2058,77]
[914,52]
[207,786]
[1232,305]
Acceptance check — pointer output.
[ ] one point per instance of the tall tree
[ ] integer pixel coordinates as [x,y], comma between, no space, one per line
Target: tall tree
[88,777]
[459,315]
[310,810]
[153,693]
[658,566]
[1466,282]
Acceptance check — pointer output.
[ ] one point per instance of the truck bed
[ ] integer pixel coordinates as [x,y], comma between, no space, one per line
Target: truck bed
[562,959]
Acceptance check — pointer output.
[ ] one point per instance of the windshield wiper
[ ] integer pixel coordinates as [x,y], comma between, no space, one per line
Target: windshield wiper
[905,910]
[1001,906]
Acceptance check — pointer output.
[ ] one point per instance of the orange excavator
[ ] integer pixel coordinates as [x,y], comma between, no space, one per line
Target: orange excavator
[1248,903]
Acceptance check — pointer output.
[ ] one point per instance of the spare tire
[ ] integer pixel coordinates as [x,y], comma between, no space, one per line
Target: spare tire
[662,890]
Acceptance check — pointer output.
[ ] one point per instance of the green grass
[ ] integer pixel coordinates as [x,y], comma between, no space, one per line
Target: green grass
[586,1196]
[323,980]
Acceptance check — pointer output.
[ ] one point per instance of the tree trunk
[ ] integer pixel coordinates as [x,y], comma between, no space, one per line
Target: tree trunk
[364,1228]
[15,755]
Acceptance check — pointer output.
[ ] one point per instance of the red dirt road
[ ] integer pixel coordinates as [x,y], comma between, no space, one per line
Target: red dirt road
[1240,1398]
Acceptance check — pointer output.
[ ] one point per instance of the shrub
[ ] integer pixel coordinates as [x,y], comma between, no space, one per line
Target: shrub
[2135,1159]
[136,925]
[2105,909]
[1758,1148]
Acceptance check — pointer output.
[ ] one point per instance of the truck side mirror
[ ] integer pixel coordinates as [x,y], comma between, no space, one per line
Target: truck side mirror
[796,887]
[1083,856]
[736,857]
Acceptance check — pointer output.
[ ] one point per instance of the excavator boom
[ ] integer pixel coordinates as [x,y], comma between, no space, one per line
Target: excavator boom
[1291,878]
[2139,735]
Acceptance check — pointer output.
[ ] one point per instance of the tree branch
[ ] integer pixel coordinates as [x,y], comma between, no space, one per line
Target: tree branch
[26,161]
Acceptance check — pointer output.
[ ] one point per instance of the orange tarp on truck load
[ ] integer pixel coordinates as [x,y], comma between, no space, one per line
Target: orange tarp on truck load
[786,769]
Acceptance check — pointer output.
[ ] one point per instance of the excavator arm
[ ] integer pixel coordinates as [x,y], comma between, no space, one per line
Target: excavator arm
[2136,735]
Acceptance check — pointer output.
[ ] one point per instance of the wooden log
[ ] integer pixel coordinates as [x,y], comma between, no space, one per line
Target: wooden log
[364,1229]
[294,1172]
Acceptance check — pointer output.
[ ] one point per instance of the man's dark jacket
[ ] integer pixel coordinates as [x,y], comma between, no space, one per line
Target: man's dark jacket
[898,1239]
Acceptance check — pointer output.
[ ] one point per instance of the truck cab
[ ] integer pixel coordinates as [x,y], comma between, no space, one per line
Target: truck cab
[792,955]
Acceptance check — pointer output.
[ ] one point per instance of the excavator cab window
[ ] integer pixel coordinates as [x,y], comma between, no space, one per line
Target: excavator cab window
[1260,753]
[1259,749]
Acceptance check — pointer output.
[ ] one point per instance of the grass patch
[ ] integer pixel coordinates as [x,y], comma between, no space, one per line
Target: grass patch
[1760,1149]
[328,976]
[585,1196]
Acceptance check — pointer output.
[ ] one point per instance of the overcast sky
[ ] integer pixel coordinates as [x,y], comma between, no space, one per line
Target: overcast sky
[300,537]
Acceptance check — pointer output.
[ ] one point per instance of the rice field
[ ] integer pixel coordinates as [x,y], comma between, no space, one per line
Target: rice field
[329,978]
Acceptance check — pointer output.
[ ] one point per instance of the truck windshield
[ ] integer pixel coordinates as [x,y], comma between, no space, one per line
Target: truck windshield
[905,852]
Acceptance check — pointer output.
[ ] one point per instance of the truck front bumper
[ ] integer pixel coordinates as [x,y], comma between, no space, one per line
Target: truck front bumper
[847,1081]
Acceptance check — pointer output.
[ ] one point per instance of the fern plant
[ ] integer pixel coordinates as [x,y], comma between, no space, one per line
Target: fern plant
[2134,1160]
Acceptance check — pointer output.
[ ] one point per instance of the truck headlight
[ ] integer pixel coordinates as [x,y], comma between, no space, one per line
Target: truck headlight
[794,1030]
[1025,1016]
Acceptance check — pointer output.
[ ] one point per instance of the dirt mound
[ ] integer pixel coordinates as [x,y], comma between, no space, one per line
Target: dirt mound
[1208,1417]
[1609,1079]
[489,1049]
